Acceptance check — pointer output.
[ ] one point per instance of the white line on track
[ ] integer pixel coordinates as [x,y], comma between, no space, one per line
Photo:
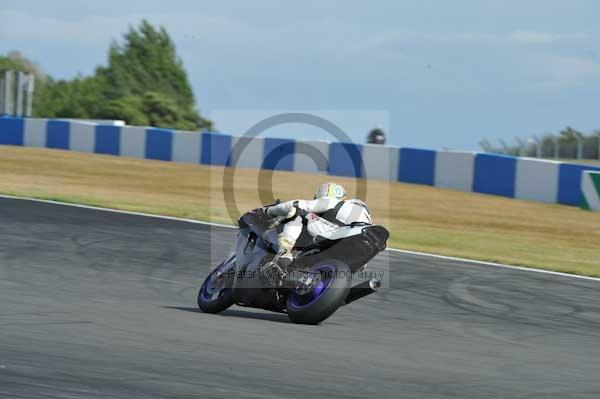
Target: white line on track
[424,254]
[480,262]
[170,281]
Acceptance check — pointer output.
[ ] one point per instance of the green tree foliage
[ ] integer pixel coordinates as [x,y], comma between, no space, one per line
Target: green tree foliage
[146,61]
[144,83]
[127,108]
[145,74]
[569,135]
[77,98]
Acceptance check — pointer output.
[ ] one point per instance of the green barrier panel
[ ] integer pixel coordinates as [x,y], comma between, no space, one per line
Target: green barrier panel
[590,190]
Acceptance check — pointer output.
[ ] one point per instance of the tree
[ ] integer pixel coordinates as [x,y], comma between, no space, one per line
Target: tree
[570,135]
[127,108]
[77,98]
[144,83]
[146,65]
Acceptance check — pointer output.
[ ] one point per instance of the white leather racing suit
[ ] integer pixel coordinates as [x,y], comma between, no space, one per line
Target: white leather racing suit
[348,211]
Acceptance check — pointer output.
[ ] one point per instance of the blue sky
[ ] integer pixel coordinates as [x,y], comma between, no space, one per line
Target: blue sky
[448,73]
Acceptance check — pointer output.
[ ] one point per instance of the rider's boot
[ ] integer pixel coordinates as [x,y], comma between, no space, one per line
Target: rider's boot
[286,244]
[296,279]
[274,272]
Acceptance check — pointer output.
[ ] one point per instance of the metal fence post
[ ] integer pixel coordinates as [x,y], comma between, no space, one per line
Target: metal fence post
[8,92]
[520,147]
[20,90]
[538,146]
[30,89]
[2,111]
[505,149]
[556,147]
[579,146]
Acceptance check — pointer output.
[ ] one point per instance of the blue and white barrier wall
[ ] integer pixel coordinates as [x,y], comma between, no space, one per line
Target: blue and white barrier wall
[513,177]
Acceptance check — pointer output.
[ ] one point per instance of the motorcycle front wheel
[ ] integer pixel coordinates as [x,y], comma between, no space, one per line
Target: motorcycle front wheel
[216,293]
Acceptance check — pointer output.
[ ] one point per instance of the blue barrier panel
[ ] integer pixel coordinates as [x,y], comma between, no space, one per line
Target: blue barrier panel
[278,154]
[58,134]
[216,148]
[569,182]
[107,140]
[159,144]
[495,174]
[345,159]
[11,131]
[416,166]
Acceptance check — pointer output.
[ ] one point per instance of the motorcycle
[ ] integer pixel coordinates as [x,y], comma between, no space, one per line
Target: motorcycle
[321,273]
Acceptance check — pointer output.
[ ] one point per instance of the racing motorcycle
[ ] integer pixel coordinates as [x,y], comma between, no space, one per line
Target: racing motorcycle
[319,279]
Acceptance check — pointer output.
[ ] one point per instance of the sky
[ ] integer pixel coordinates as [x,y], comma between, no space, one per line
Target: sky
[435,74]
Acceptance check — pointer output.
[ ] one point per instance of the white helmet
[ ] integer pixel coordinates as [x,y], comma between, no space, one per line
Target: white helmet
[330,190]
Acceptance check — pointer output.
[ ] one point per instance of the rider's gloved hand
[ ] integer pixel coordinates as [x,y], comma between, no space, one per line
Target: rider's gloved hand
[291,213]
[286,209]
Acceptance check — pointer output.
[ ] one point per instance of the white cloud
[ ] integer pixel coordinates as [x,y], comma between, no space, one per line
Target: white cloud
[534,37]
[572,70]
[19,26]
[99,30]
[395,39]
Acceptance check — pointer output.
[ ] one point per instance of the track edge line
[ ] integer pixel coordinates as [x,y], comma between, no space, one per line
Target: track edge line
[404,251]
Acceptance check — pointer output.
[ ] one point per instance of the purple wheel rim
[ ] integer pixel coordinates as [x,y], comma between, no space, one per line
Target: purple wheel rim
[206,297]
[301,301]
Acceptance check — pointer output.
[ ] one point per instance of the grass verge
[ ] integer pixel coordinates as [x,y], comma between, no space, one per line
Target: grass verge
[591,162]
[420,218]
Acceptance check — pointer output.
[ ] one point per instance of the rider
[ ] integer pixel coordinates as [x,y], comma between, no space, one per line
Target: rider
[328,211]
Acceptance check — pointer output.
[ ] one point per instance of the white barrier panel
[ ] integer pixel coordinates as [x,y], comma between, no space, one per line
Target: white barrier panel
[311,156]
[454,169]
[251,155]
[106,122]
[133,141]
[536,180]
[82,136]
[186,146]
[35,132]
[380,162]
[523,178]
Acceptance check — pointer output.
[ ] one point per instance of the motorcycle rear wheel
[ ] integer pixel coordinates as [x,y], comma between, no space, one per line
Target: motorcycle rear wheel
[325,298]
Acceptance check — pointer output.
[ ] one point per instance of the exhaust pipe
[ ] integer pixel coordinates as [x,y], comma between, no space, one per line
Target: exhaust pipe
[363,289]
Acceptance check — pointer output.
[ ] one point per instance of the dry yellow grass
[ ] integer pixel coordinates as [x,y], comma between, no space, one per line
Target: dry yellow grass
[593,162]
[420,218]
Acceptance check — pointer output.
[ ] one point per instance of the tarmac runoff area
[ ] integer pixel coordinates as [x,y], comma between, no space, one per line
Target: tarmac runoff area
[98,304]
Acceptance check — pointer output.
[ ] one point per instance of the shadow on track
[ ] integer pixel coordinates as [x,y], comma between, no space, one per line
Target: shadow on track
[275,317]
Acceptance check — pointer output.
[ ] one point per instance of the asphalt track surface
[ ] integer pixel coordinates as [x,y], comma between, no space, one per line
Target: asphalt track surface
[96,304]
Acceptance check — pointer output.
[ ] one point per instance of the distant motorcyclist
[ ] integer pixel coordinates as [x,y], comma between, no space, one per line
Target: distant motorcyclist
[328,211]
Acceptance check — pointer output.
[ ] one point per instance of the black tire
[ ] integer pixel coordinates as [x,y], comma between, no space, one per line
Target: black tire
[223,300]
[334,296]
